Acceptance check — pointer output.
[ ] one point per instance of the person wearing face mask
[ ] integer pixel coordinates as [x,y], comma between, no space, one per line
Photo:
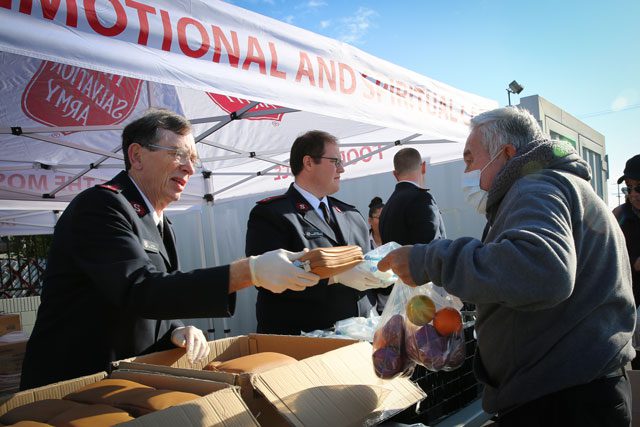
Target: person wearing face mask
[550,279]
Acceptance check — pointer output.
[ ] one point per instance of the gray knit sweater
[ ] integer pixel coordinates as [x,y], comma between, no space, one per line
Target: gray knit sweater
[551,281]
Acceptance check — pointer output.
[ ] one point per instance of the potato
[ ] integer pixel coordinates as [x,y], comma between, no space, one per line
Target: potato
[389,358]
[388,362]
[391,334]
[426,347]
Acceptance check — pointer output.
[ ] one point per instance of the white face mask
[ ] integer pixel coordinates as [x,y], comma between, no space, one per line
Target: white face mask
[473,194]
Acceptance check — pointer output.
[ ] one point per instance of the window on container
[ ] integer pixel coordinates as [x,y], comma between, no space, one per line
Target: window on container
[595,161]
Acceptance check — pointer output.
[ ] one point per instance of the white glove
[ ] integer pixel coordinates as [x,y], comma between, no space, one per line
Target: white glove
[274,271]
[361,280]
[193,340]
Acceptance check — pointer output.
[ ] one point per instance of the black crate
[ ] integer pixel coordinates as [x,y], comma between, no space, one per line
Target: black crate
[447,392]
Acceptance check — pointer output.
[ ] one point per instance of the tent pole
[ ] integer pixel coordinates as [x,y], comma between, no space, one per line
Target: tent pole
[208,197]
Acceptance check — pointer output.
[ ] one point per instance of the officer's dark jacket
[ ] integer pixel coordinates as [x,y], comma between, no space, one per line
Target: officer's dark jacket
[108,274]
[410,216]
[289,222]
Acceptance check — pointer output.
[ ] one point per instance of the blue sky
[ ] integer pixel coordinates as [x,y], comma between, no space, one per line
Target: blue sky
[583,56]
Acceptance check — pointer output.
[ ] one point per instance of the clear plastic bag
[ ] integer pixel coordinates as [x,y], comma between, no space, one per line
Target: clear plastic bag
[419,325]
[434,331]
[390,359]
[371,259]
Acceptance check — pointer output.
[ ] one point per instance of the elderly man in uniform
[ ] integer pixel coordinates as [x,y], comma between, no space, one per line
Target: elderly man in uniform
[113,283]
[305,217]
[550,278]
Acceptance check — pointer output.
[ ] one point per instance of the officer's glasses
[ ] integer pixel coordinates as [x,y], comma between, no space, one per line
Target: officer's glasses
[628,190]
[336,161]
[182,156]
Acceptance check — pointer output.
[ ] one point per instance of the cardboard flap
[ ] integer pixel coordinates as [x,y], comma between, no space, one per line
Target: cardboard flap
[224,407]
[338,388]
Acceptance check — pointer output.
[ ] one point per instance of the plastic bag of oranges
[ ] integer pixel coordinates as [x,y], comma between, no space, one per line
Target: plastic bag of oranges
[434,335]
[419,325]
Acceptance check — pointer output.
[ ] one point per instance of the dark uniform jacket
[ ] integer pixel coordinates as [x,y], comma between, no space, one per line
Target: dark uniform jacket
[410,216]
[290,222]
[109,274]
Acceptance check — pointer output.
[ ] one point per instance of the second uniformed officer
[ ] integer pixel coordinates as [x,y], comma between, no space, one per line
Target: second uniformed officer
[304,217]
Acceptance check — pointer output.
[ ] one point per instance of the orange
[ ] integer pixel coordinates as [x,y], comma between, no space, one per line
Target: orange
[447,321]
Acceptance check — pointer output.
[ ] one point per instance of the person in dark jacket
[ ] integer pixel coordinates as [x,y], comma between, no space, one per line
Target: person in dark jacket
[411,215]
[375,208]
[112,283]
[628,216]
[307,217]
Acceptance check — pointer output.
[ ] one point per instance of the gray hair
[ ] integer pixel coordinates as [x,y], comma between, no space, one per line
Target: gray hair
[507,125]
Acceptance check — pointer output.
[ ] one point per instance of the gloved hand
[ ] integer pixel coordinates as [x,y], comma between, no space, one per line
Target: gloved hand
[361,280]
[274,271]
[193,340]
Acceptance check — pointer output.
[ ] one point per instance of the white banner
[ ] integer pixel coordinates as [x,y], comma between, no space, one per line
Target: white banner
[217,47]
[74,73]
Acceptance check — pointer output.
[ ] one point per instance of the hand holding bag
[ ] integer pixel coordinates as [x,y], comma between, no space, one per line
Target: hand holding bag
[327,262]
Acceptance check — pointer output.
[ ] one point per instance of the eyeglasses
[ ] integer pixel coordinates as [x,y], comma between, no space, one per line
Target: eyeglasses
[336,161]
[628,190]
[182,156]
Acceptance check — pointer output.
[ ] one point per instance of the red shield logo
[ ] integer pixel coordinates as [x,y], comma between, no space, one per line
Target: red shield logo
[64,95]
[231,104]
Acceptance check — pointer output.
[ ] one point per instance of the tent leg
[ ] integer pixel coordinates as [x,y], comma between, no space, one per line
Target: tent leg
[216,256]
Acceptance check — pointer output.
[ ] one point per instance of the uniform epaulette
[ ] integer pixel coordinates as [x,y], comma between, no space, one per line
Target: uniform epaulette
[271,199]
[343,205]
[111,187]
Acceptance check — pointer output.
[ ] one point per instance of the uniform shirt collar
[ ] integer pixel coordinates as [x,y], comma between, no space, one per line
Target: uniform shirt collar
[410,182]
[313,200]
[157,219]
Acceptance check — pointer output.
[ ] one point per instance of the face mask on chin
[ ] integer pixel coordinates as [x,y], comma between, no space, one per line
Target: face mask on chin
[473,194]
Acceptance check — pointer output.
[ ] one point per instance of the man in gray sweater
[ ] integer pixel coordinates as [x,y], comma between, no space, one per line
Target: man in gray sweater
[550,278]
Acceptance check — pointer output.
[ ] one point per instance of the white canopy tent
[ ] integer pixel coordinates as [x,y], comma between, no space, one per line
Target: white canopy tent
[73,73]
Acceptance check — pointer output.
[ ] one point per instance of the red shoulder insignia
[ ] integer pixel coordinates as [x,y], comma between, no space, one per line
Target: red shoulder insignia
[140,209]
[303,207]
[111,187]
[271,199]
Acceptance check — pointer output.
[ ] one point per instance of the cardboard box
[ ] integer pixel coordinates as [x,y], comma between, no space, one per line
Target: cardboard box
[11,356]
[220,403]
[9,323]
[332,384]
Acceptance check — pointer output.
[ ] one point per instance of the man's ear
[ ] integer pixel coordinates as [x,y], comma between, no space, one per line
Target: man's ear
[396,175]
[510,150]
[135,156]
[307,161]
[423,167]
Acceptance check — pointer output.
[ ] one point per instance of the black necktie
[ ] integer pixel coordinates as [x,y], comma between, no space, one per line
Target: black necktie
[161,230]
[326,214]
[329,220]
